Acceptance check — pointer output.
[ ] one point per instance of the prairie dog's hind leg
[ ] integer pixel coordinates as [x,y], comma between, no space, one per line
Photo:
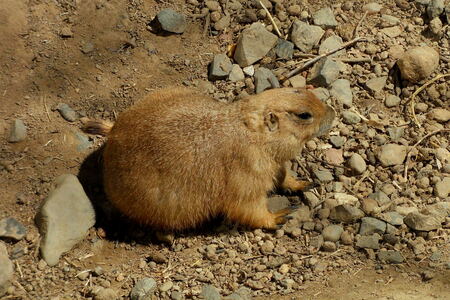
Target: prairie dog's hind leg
[287,182]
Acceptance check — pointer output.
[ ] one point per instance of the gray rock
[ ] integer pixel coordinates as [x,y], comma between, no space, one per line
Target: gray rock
[357,163]
[284,49]
[441,115]
[331,43]
[277,203]
[18,132]
[87,48]
[302,214]
[392,217]
[6,269]
[209,292]
[395,133]
[436,256]
[337,141]
[305,36]
[64,218]
[370,226]
[323,175]
[298,81]
[388,21]
[325,18]
[316,242]
[391,155]
[220,67]
[265,79]
[329,246]
[390,256]
[223,23]
[101,293]
[170,21]
[424,222]
[340,89]
[346,213]
[143,289]
[236,73]
[369,241]
[324,72]
[418,63]
[332,233]
[176,295]
[322,93]
[67,112]
[82,141]
[435,8]
[392,100]
[351,118]
[380,197]
[241,294]
[372,7]
[250,70]
[442,188]
[376,84]
[253,44]
[12,229]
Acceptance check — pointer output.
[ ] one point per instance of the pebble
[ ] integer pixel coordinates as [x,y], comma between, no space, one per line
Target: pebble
[357,163]
[329,246]
[423,222]
[435,8]
[294,10]
[393,31]
[340,89]
[87,47]
[64,218]
[351,118]
[67,112]
[166,286]
[346,238]
[265,79]
[372,8]
[298,81]
[369,206]
[343,198]
[82,141]
[236,73]
[440,114]
[337,141]
[388,20]
[324,72]
[331,43]
[267,247]
[323,175]
[223,23]
[212,5]
[376,84]
[325,18]
[170,21]
[380,197]
[334,156]
[101,293]
[371,225]
[210,292]
[6,270]
[436,27]
[395,133]
[418,63]
[442,188]
[392,217]
[369,241]
[390,256]
[284,49]
[391,155]
[305,36]
[176,295]
[392,100]
[447,13]
[18,132]
[346,213]
[332,233]
[316,242]
[143,289]
[253,44]
[250,70]
[66,32]
[220,67]
[10,228]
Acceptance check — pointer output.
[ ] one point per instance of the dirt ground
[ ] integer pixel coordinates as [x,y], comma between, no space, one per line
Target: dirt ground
[106,60]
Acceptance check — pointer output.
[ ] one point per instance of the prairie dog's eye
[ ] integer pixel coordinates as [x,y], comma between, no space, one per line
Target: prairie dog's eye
[305,116]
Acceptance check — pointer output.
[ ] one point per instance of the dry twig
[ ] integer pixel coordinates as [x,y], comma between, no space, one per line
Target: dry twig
[271,19]
[355,32]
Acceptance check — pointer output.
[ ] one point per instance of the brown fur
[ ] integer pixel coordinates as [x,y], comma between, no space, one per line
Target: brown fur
[101,127]
[178,158]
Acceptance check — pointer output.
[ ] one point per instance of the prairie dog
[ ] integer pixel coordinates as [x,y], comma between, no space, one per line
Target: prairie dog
[178,158]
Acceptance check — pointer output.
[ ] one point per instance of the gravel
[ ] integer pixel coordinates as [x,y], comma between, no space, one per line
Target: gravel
[18,132]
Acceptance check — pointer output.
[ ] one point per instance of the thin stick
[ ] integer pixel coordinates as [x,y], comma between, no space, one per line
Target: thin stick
[271,19]
[46,108]
[365,175]
[413,96]
[408,156]
[207,23]
[317,58]
[355,32]
[355,60]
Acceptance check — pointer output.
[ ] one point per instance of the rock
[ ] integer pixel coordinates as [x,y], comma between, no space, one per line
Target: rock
[376,84]
[169,21]
[284,49]
[334,156]
[323,175]
[435,8]
[66,32]
[209,292]
[331,43]
[223,23]
[369,241]
[351,118]
[6,269]
[393,31]
[64,218]
[81,140]
[166,286]
[337,141]
[369,206]
[87,48]
[391,155]
[447,13]
[372,8]
[325,18]
[305,36]
[316,242]
[67,112]
[357,163]
[442,188]
[298,81]
[340,89]
[101,293]
[395,133]
[424,221]
[371,225]
[277,203]
[143,289]
[265,79]
[392,217]
[253,44]
[346,238]
[324,72]
[311,199]
[220,67]
[329,246]
[418,63]
[346,213]
[302,214]
[343,198]
[332,233]
[390,256]
[250,70]
[212,5]
[18,132]
[236,73]
[380,197]
[388,21]
[439,114]
[10,228]
[176,295]
[392,100]
[436,27]
[322,93]
[240,294]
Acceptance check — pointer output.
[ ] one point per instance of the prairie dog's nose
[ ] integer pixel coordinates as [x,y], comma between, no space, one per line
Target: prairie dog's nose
[327,121]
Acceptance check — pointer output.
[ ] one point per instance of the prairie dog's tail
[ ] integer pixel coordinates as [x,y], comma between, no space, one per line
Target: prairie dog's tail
[100,127]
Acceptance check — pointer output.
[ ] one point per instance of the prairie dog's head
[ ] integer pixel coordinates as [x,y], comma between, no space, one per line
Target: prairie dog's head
[287,117]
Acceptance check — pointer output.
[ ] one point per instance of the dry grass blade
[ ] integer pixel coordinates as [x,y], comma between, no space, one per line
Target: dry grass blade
[271,19]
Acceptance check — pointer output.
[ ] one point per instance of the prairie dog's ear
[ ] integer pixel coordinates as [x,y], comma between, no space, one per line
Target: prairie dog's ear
[271,121]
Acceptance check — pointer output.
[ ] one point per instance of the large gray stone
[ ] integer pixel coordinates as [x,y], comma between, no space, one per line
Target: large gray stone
[332,233]
[390,256]
[284,49]
[324,72]
[325,18]
[12,229]
[430,218]
[64,218]
[376,84]
[346,213]
[253,44]
[6,269]
[340,89]
[331,43]
[369,241]
[305,36]
[371,225]
[357,163]
[236,74]
[143,289]
[67,112]
[220,67]
[170,21]
[265,79]
[18,132]
[391,155]
[209,292]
